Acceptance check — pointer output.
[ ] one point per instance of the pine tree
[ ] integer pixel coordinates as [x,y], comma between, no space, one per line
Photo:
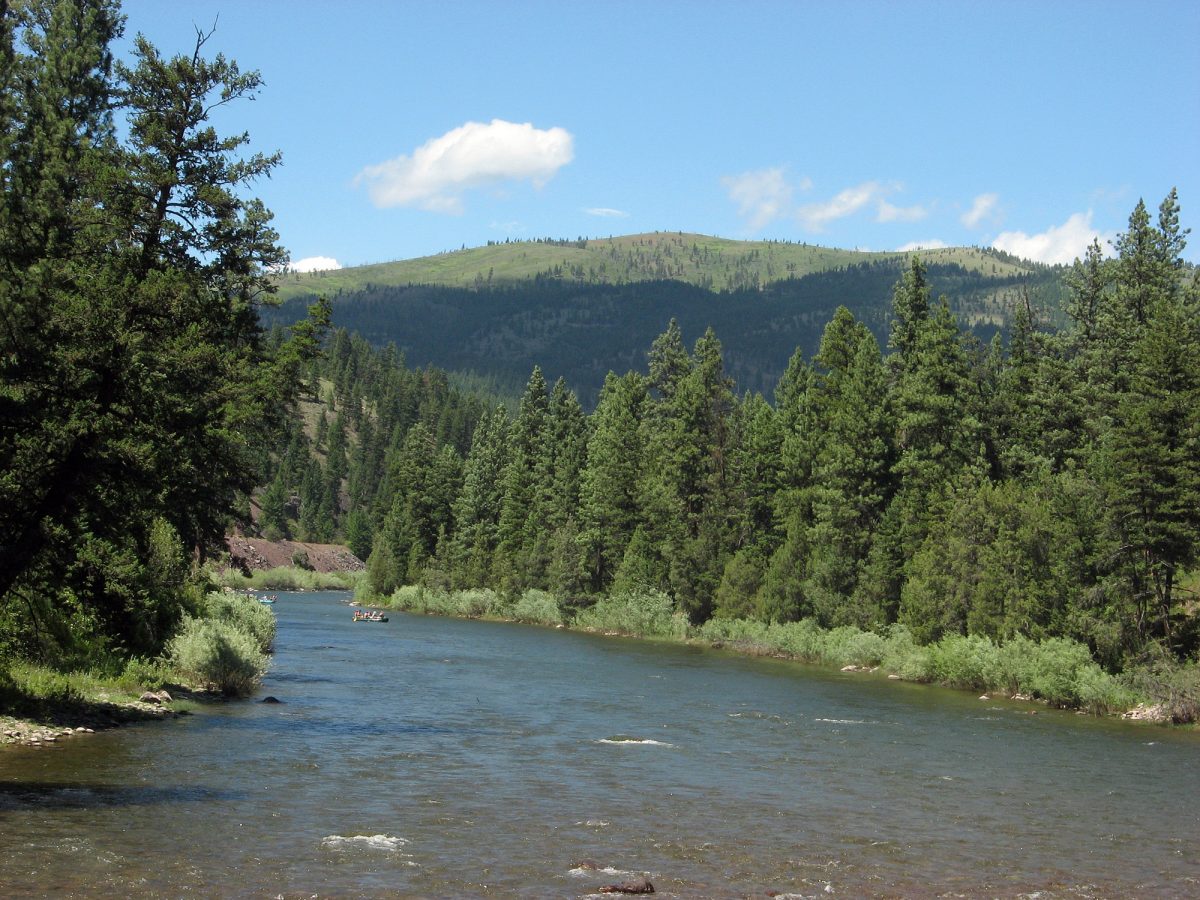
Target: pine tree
[610,501]
[137,381]
[477,508]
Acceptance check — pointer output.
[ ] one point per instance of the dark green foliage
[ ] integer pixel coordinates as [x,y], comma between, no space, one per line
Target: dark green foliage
[583,330]
[138,396]
[1044,487]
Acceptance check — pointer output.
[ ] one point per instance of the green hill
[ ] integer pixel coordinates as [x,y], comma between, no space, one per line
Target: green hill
[716,264]
[582,309]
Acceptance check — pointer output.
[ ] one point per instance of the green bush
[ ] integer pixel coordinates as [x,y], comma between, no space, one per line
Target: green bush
[848,645]
[746,635]
[1049,670]
[537,608]
[217,654]
[244,613]
[1102,694]
[408,597]
[475,603]
[805,640]
[965,662]
[905,657]
[640,612]
[142,674]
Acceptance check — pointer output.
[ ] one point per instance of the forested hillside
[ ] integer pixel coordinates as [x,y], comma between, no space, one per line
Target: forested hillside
[712,263]
[582,328]
[1045,486]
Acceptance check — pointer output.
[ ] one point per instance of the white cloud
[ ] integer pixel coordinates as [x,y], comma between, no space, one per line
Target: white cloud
[606,213]
[1058,244]
[473,155]
[762,196]
[983,207]
[815,216]
[931,244]
[315,264]
[889,213]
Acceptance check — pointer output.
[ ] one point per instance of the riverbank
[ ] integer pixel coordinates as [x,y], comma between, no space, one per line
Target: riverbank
[222,651]
[1056,671]
[60,719]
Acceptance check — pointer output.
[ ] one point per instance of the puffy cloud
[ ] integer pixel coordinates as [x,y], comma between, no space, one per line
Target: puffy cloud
[983,207]
[931,244]
[605,212]
[762,196]
[815,216]
[1058,244]
[889,213]
[473,155]
[314,264]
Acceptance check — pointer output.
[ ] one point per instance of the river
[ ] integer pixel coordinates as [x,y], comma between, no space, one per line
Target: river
[430,757]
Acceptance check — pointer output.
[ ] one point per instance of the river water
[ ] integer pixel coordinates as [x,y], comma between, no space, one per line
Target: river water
[430,757]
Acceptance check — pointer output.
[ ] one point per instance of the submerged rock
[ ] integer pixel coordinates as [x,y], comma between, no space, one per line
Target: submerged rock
[270,699]
[637,886]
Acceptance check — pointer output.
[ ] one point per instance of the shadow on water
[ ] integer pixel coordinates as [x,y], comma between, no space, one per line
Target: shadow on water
[16,795]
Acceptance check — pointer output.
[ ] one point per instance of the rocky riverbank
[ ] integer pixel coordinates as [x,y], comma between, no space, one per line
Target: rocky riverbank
[99,714]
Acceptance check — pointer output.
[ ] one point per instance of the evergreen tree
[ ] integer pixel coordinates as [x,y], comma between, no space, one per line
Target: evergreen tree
[137,383]
[477,508]
[851,471]
[610,507]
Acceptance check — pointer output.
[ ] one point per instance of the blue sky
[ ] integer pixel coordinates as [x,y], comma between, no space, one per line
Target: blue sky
[409,128]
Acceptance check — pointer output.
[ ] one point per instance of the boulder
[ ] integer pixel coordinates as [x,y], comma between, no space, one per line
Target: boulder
[270,699]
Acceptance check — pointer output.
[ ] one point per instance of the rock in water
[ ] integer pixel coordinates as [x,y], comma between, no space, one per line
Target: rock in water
[269,699]
[637,886]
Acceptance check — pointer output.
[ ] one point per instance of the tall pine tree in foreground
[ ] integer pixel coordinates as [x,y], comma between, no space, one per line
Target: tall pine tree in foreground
[138,394]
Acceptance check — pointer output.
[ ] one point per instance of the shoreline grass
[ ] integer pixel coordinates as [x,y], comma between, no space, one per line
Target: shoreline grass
[287,578]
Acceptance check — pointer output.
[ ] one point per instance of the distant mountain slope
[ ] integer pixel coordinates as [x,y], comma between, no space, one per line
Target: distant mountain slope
[712,263]
[583,329]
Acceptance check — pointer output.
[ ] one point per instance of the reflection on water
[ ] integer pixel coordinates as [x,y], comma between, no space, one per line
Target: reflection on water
[440,758]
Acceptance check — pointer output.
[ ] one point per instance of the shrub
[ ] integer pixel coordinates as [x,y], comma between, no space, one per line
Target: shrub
[1102,694]
[474,603]
[638,611]
[847,645]
[215,653]
[1049,670]
[803,640]
[537,608]
[746,635]
[143,674]
[407,597]
[965,662]
[904,657]
[1176,688]
[245,614]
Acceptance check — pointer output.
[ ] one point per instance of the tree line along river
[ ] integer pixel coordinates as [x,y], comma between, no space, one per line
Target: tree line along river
[428,757]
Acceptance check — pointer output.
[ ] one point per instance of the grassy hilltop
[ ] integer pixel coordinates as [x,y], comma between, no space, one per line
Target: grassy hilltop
[713,263]
[584,307]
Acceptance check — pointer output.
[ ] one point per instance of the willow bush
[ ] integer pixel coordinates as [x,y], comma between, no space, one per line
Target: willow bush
[219,655]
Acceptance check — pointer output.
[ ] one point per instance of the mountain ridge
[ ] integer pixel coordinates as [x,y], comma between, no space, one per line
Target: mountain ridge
[497,330]
[712,263]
